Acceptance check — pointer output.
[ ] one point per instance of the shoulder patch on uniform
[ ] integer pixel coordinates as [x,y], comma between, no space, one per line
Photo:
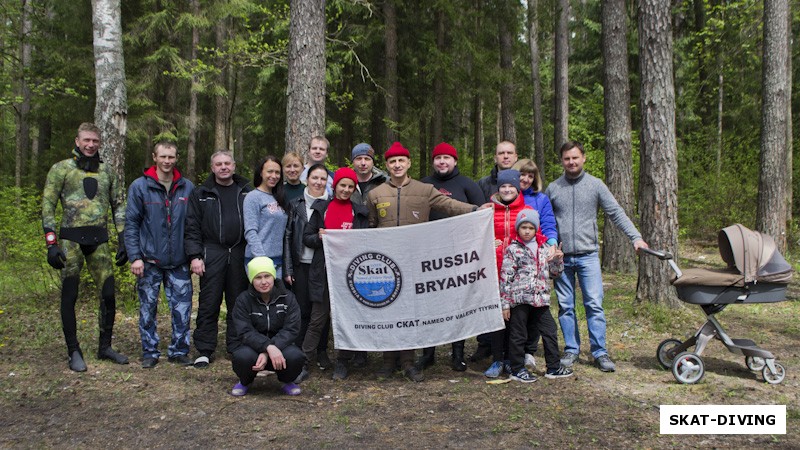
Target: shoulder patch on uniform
[383,205]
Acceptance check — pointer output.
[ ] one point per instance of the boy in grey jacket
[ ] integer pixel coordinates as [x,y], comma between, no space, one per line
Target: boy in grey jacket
[576,197]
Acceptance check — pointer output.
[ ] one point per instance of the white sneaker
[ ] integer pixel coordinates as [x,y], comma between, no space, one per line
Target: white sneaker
[530,362]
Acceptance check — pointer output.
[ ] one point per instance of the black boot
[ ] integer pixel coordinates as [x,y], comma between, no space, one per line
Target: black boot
[76,363]
[458,363]
[427,359]
[106,322]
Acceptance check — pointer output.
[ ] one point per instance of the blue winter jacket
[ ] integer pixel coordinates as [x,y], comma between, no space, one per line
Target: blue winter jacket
[547,220]
[154,219]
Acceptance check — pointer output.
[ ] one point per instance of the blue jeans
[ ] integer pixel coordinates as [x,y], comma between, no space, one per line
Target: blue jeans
[178,289]
[587,269]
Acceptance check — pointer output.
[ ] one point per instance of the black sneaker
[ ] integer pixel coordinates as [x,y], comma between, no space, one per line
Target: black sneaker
[561,372]
[202,361]
[360,360]
[181,360]
[323,361]
[339,370]
[149,363]
[413,374]
[482,352]
[523,376]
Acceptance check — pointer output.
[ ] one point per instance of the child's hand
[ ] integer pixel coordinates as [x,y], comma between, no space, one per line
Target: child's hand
[555,253]
[506,315]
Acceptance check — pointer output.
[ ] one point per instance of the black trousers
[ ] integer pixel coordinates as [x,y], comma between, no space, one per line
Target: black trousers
[245,357]
[224,275]
[523,318]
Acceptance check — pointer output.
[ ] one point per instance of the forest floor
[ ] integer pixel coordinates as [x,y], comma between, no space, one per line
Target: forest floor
[46,405]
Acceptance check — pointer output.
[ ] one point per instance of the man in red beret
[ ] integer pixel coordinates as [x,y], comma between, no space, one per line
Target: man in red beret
[447,180]
[395,203]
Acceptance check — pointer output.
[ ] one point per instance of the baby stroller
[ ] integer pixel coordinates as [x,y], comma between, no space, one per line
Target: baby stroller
[756,273]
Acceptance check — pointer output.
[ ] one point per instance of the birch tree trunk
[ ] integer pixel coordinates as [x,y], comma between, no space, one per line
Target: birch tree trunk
[305,103]
[111,107]
[561,78]
[771,213]
[789,137]
[618,254]
[658,180]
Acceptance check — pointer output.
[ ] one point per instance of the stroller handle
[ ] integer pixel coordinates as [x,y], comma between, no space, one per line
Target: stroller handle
[664,256]
[660,254]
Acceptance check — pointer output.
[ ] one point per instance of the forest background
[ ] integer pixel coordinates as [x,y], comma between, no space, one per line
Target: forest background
[214,74]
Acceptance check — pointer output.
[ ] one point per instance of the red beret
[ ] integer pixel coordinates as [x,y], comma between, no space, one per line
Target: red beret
[396,149]
[444,149]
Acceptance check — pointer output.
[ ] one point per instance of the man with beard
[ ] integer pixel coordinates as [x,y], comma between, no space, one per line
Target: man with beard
[447,180]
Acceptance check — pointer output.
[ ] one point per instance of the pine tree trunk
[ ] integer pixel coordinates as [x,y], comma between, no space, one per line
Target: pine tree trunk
[533,43]
[220,99]
[561,78]
[23,137]
[390,71]
[771,214]
[618,254]
[305,105]
[191,152]
[438,82]
[508,131]
[111,107]
[658,180]
[477,135]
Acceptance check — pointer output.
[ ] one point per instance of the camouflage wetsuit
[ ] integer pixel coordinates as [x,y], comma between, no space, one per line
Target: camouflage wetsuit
[85,197]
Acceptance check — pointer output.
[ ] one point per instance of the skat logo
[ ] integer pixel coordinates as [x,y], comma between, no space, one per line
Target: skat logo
[374,279]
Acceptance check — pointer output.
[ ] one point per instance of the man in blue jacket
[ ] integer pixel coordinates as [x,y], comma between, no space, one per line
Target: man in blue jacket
[576,196]
[154,222]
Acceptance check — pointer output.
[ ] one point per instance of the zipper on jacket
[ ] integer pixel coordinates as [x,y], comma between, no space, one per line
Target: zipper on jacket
[398,206]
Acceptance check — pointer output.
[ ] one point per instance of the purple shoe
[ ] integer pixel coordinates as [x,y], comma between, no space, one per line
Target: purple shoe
[291,389]
[239,390]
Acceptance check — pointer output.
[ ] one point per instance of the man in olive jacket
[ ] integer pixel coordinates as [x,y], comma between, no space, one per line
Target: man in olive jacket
[404,201]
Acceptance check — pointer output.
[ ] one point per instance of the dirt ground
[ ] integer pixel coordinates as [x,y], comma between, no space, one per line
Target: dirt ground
[46,405]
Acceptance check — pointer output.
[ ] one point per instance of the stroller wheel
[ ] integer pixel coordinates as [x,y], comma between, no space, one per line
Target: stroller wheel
[776,377]
[666,352]
[688,368]
[754,363]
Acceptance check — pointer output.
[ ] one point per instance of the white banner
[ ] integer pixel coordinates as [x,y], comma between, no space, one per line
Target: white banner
[413,286]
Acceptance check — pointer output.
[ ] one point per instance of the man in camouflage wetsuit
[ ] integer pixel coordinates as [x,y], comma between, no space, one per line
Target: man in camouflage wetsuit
[86,188]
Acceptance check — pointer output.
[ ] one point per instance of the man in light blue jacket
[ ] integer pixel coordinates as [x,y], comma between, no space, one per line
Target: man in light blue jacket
[576,197]
[154,224]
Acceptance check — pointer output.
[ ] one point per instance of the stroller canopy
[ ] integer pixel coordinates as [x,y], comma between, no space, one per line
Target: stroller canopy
[754,255]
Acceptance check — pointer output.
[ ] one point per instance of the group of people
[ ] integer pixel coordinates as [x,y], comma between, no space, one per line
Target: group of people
[259,246]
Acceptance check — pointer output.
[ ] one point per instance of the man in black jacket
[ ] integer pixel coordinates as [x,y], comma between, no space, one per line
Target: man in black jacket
[214,242]
[451,183]
[505,155]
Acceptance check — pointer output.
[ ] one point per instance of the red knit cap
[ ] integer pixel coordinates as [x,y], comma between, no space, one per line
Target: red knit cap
[444,149]
[344,172]
[396,149]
